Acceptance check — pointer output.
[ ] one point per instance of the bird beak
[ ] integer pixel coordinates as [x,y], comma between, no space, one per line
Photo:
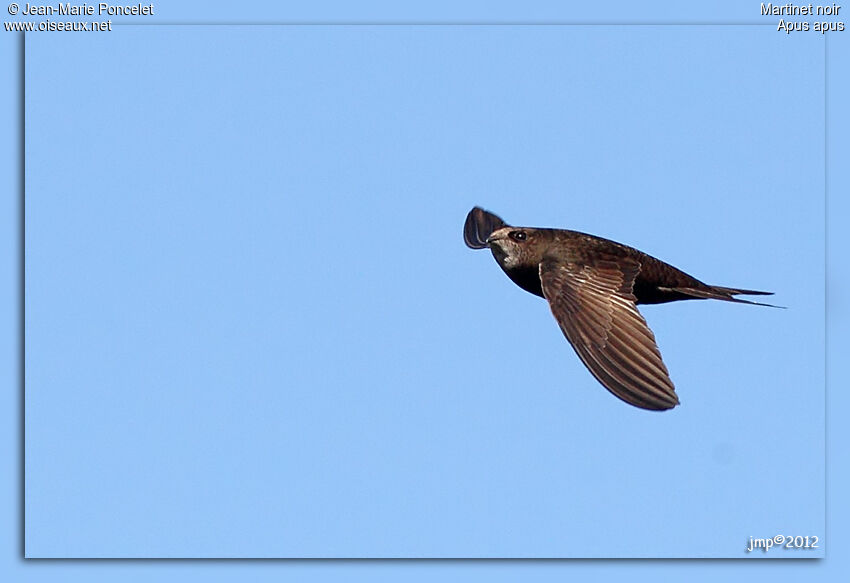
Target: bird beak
[494,237]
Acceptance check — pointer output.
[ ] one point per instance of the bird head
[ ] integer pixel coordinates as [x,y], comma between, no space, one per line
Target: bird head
[514,246]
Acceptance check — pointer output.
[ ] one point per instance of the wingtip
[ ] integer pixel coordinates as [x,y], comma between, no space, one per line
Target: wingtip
[658,406]
[478,226]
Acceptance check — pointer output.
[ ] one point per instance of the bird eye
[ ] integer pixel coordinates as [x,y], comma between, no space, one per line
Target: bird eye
[518,235]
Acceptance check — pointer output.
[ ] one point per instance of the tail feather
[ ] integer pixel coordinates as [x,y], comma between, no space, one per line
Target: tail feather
[735,291]
[725,294]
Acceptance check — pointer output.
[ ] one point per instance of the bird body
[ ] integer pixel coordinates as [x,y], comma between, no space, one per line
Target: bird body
[593,286]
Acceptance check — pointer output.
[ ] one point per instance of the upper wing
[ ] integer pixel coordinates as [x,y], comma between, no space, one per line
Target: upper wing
[595,309]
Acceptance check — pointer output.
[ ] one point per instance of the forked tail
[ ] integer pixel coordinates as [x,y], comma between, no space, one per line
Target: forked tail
[716,292]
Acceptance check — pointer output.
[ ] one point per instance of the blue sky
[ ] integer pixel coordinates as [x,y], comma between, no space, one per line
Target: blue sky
[216,367]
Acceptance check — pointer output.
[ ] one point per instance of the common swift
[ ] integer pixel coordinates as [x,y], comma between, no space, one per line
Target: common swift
[593,286]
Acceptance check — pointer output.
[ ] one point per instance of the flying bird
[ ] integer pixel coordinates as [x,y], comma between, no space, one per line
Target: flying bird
[593,287]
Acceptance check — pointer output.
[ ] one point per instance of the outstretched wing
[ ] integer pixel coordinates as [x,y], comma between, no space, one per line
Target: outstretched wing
[595,308]
[478,226]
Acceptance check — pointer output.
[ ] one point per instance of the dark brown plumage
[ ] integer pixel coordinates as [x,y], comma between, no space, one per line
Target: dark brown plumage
[593,287]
